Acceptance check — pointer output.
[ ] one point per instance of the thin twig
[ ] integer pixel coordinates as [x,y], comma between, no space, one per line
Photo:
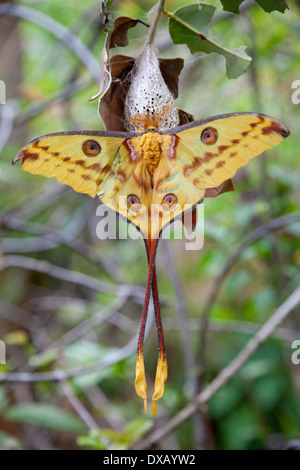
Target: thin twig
[86,326]
[61,375]
[51,237]
[69,276]
[231,326]
[228,372]
[87,21]
[35,202]
[199,419]
[78,406]
[15,314]
[44,21]
[69,90]
[8,113]
[188,357]
[258,233]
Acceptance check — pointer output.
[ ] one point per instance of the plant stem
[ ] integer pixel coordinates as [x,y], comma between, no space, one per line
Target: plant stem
[154,15]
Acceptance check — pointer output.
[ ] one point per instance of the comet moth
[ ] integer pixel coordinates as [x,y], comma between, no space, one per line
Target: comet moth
[152,172]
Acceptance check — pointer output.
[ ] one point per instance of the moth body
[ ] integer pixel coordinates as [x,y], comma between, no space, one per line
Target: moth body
[153,176]
[150,146]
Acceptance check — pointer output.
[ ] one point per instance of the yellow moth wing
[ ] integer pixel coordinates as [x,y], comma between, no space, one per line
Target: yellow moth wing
[168,179]
[124,164]
[129,178]
[240,137]
[61,156]
[112,174]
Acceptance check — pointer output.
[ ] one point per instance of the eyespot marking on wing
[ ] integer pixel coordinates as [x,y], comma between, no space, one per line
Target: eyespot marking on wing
[169,201]
[209,136]
[91,148]
[133,202]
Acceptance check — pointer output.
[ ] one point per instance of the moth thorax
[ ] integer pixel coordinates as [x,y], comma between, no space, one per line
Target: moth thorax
[149,102]
[151,149]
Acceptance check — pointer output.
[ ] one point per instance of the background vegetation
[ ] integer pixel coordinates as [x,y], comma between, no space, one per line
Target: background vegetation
[72,303]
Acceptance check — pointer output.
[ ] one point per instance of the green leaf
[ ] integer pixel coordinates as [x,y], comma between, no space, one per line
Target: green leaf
[272,5]
[91,442]
[44,359]
[269,391]
[136,429]
[257,368]
[268,5]
[8,442]
[232,5]
[116,440]
[189,25]
[45,416]
[17,337]
[225,400]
